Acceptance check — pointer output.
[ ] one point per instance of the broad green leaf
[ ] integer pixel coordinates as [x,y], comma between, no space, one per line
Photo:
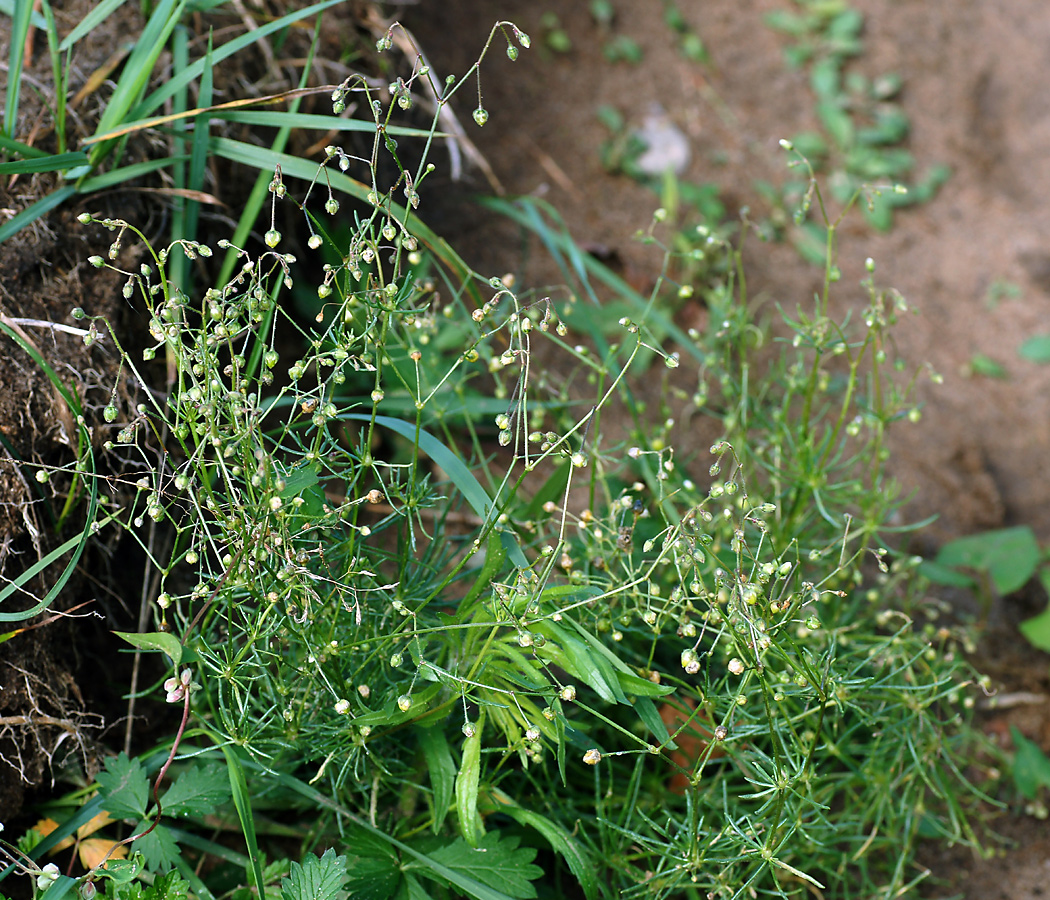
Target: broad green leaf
[155,640]
[1009,556]
[947,575]
[495,556]
[123,872]
[442,770]
[787,22]
[316,879]
[565,651]
[124,787]
[467,787]
[825,78]
[1031,767]
[198,791]
[636,686]
[1037,629]
[1036,349]
[650,717]
[495,862]
[837,123]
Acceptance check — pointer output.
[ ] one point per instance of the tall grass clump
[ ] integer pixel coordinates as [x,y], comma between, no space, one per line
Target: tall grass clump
[440,624]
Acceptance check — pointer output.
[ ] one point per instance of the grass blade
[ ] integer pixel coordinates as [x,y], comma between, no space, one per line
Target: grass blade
[57,163]
[90,22]
[168,89]
[13,146]
[137,70]
[126,173]
[280,119]
[20,22]
[267,161]
[242,802]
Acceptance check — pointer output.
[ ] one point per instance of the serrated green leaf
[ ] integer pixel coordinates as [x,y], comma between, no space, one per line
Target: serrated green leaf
[159,848]
[497,863]
[316,879]
[374,871]
[171,886]
[442,770]
[197,792]
[124,787]
[1031,767]
[466,787]
[579,861]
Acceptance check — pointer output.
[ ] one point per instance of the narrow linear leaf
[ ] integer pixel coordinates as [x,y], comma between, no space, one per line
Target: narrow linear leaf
[95,17]
[57,163]
[442,769]
[467,788]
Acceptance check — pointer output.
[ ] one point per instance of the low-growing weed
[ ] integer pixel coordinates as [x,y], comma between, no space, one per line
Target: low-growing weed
[440,622]
[863,127]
